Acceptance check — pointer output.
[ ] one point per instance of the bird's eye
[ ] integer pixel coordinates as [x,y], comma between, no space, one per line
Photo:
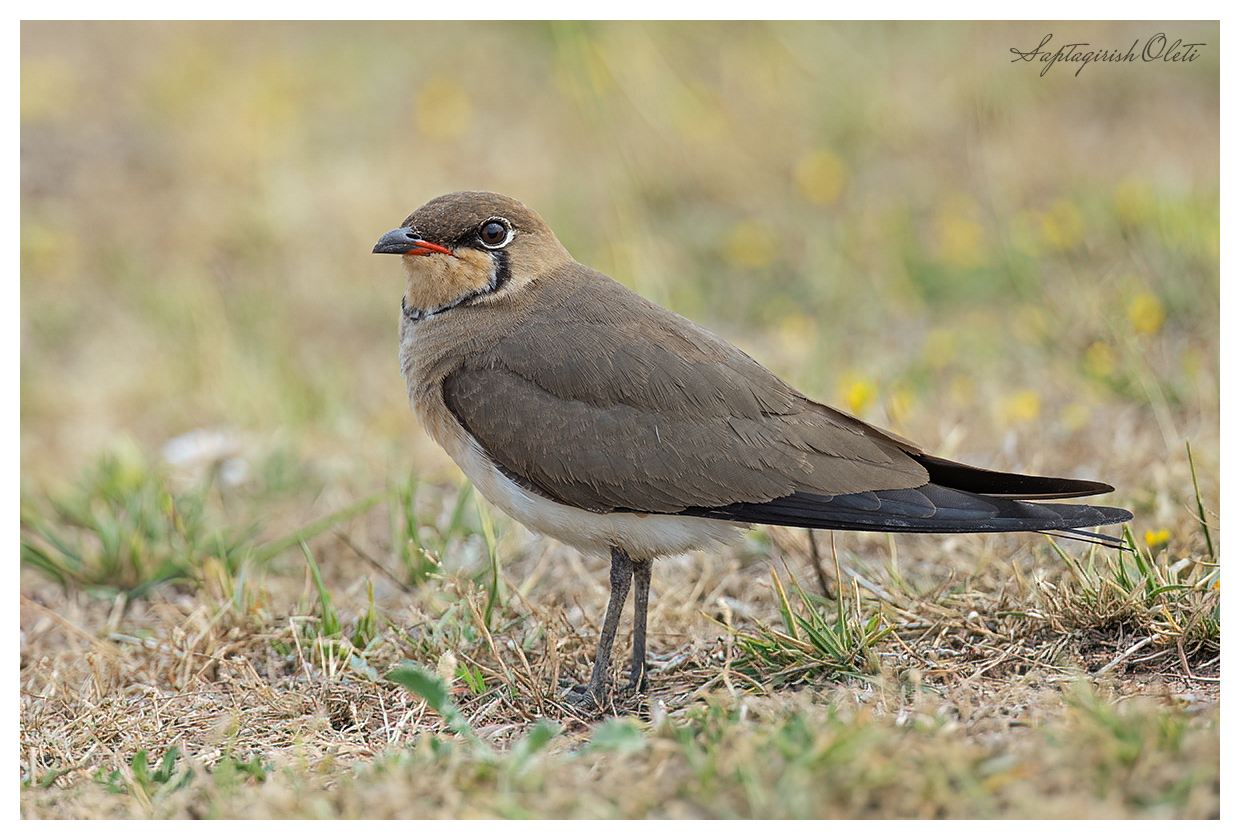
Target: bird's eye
[495,233]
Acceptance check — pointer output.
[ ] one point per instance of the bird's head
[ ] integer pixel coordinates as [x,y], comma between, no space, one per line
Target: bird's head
[468,247]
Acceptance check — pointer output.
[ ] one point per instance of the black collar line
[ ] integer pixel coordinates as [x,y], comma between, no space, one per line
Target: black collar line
[500,274]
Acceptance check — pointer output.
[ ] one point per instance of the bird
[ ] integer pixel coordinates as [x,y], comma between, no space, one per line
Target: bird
[600,419]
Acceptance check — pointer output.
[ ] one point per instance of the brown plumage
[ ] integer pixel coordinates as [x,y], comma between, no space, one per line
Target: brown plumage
[594,416]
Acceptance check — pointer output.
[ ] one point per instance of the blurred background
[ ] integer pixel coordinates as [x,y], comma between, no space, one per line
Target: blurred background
[1016,269]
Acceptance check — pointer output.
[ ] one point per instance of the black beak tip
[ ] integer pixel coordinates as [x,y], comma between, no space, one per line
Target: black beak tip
[399,241]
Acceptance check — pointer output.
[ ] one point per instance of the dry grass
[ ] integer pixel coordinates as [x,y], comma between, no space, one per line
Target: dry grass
[1015,270]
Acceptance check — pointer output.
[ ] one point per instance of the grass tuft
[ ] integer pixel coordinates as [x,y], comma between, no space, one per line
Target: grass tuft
[819,638]
[122,530]
[1158,606]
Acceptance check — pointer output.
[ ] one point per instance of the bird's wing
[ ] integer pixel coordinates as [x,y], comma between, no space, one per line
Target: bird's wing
[604,401]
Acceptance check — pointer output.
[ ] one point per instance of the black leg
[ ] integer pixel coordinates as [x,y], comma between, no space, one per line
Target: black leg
[621,578]
[641,598]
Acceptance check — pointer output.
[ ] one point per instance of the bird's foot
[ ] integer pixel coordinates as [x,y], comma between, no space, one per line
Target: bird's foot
[601,698]
[587,698]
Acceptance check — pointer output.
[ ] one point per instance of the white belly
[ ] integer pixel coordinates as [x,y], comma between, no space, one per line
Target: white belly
[641,535]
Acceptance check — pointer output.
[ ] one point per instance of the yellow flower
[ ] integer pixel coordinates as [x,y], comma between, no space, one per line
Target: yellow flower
[820,176]
[857,393]
[1020,406]
[1146,313]
[1155,539]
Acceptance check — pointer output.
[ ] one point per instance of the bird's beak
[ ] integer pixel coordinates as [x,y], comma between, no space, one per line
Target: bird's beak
[406,241]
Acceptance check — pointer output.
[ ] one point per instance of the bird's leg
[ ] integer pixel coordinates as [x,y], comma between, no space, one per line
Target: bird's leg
[621,578]
[641,598]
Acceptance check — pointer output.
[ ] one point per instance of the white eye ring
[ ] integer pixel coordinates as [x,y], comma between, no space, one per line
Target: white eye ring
[499,243]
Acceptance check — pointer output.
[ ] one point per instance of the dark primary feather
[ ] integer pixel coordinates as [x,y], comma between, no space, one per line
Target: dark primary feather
[1007,485]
